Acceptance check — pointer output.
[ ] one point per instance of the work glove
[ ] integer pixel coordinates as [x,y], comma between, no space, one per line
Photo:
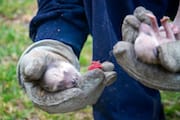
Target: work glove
[41,63]
[131,23]
[164,76]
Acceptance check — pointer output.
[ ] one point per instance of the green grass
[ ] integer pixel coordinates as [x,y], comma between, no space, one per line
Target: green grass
[12,9]
[171,102]
[14,19]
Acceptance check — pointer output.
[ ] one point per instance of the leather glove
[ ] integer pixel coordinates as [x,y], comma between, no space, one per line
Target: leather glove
[154,76]
[41,63]
[131,23]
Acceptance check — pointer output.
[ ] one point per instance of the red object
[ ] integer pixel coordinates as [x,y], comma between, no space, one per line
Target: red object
[95,65]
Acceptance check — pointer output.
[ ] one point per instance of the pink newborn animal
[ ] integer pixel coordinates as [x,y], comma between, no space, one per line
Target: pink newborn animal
[150,37]
[60,76]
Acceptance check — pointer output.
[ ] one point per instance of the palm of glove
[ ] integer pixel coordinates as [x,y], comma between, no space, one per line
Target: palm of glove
[161,75]
[48,71]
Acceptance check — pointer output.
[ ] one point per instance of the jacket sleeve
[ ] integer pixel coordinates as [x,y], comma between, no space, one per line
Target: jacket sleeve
[62,20]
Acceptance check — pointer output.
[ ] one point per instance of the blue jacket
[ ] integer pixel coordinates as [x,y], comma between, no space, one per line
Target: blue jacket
[70,21]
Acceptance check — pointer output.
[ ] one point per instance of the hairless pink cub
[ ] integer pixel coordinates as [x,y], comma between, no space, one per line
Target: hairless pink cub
[151,36]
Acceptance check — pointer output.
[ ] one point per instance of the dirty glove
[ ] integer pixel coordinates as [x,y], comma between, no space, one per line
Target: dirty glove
[151,75]
[131,23]
[41,65]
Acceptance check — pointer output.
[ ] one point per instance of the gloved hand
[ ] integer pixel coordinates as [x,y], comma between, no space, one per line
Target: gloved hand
[47,62]
[131,23]
[154,76]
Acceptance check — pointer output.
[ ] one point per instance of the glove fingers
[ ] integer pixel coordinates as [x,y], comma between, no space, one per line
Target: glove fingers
[130,28]
[132,21]
[33,65]
[140,13]
[92,85]
[91,80]
[111,77]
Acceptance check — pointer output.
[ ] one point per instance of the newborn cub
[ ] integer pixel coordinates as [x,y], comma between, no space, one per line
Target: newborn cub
[60,76]
[150,37]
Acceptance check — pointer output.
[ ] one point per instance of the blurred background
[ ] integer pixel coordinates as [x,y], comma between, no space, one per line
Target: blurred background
[15,16]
